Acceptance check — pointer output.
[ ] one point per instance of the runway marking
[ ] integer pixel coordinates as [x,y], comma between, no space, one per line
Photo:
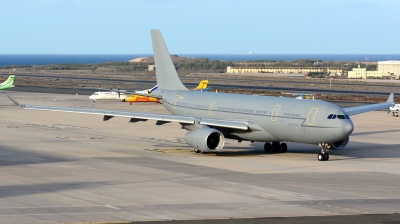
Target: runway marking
[9,126]
[169,150]
[56,126]
[110,206]
[67,213]
[79,138]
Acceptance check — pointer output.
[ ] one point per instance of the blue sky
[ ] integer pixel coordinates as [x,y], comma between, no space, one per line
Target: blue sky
[200,26]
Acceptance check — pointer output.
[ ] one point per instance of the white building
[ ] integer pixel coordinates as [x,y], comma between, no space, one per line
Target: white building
[362,73]
[391,68]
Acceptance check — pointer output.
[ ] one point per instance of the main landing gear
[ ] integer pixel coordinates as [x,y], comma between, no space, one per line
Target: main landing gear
[275,147]
[323,155]
[197,150]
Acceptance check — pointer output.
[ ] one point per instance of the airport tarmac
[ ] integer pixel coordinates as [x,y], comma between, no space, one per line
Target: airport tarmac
[65,167]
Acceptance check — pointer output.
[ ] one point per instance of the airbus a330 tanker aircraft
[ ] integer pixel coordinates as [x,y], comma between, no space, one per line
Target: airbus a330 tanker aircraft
[211,117]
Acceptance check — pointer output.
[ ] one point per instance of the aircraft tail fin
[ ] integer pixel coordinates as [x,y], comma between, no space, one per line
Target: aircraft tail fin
[202,85]
[390,98]
[167,77]
[154,88]
[9,81]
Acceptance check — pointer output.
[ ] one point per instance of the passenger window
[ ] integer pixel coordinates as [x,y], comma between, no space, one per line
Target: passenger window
[340,117]
[330,116]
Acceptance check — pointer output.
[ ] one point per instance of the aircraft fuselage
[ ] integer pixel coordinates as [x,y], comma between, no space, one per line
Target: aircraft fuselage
[280,119]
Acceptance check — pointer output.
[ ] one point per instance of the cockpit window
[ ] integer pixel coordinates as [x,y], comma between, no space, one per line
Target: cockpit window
[339,116]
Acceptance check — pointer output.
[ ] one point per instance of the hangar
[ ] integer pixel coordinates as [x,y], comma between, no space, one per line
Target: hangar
[391,68]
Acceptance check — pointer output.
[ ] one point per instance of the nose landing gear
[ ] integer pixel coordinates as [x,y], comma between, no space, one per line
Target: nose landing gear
[323,155]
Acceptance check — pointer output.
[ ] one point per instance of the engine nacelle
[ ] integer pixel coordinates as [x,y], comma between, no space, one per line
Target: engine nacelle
[205,139]
[339,145]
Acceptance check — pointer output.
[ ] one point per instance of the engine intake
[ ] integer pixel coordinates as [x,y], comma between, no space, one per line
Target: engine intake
[339,145]
[205,139]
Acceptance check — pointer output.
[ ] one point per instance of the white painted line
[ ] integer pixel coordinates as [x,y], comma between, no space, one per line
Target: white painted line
[110,206]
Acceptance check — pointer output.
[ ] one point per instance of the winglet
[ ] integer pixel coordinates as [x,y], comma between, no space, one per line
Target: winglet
[14,101]
[391,98]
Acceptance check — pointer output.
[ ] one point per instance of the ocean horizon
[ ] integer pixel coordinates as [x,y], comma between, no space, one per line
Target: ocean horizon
[49,59]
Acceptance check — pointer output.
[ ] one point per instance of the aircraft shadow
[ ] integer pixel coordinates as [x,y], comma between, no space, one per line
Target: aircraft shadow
[354,150]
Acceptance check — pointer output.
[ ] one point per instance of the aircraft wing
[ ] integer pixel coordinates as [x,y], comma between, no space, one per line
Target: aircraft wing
[367,108]
[160,118]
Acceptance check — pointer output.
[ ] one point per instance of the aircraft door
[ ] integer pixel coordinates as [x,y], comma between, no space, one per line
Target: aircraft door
[274,116]
[210,108]
[311,116]
[174,102]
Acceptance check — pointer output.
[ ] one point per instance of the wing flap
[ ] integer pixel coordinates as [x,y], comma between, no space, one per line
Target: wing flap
[225,124]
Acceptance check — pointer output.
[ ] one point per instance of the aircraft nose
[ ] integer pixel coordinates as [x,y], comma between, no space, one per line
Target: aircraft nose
[347,127]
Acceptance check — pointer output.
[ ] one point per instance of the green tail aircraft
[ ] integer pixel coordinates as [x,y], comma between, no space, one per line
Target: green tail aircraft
[8,83]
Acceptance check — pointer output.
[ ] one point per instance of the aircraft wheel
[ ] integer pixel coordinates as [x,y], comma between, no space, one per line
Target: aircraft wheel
[321,157]
[276,147]
[283,147]
[267,147]
[197,150]
[326,156]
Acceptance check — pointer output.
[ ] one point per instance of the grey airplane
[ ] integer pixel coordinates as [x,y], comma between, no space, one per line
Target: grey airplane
[211,117]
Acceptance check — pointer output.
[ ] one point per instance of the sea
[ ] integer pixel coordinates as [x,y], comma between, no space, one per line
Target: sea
[49,59]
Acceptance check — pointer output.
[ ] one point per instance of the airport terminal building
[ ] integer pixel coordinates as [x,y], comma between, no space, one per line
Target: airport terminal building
[301,70]
[385,69]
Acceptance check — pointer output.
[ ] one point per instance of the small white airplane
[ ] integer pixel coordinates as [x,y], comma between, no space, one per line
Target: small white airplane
[395,110]
[301,96]
[118,94]
[109,95]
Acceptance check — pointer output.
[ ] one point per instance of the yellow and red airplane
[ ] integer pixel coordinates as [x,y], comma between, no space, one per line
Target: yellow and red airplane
[137,98]
[134,98]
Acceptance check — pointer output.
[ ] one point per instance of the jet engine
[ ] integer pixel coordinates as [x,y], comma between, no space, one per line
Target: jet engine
[205,139]
[339,145]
